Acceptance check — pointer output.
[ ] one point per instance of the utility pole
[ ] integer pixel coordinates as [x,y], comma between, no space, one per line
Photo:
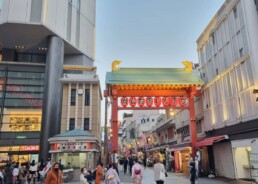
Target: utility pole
[106,132]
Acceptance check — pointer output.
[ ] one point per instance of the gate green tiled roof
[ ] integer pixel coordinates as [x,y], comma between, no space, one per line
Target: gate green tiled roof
[75,133]
[149,76]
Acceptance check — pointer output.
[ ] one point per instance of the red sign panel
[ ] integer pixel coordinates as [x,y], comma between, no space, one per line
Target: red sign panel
[166,102]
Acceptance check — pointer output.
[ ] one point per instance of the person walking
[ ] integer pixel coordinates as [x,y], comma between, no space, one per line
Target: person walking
[192,172]
[15,173]
[83,180]
[130,163]
[111,176]
[159,172]
[137,172]
[54,176]
[33,169]
[99,173]
[125,165]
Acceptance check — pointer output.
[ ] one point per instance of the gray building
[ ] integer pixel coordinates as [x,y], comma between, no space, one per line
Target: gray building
[41,41]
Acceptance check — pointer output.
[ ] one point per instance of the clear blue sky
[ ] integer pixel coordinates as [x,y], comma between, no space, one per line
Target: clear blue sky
[149,33]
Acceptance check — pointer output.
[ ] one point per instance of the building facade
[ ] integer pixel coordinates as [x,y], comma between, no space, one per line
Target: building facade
[228,60]
[40,43]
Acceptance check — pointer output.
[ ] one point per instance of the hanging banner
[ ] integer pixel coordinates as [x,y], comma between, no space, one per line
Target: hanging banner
[149,101]
[124,101]
[157,101]
[165,101]
[141,101]
[132,101]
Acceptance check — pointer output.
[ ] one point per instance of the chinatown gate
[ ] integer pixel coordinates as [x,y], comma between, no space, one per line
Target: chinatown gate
[150,89]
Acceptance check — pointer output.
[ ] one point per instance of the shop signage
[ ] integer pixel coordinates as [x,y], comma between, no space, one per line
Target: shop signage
[166,101]
[29,148]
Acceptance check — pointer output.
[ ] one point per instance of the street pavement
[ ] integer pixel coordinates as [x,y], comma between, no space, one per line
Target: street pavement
[178,178]
[174,178]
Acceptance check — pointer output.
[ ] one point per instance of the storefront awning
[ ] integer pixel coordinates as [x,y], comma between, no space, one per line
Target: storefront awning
[209,141]
[181,146]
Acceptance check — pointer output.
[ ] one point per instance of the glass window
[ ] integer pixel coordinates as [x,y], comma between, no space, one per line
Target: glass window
[250,73]
[87,97]
[235,12]
[72,124]
[86,123]
[1,4]
[78,5]
[73,96]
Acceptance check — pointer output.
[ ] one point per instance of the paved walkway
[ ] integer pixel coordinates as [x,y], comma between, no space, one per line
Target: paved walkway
[178,178]
[174,178]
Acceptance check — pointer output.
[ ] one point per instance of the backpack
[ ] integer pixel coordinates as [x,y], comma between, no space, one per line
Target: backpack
[137,171]
[94,175]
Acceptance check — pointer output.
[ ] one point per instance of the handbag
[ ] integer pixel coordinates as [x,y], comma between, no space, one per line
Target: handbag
[162,176]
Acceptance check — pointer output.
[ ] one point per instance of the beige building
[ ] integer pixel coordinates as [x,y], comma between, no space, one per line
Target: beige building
[79,141]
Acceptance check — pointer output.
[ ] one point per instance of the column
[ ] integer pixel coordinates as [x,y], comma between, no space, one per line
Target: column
[114,126]
[193,131]
[52,104]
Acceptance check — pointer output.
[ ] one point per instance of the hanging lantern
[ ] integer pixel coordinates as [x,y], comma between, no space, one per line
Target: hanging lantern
[165,101]
[124,101]
[149,101]
[173,101]
[132,101]
[157,101]
[141,101]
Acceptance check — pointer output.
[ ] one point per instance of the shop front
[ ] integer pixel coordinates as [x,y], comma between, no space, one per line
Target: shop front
[76,148]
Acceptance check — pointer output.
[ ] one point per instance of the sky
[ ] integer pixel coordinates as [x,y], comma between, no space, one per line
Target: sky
[149,33]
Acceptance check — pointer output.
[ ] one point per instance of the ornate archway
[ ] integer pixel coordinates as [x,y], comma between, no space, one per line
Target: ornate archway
[152,88]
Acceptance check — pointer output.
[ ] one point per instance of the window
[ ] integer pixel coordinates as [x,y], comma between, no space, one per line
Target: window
[78,5]
[87,97]
[86,124]
[199,126]
[235,12]
[72,124]
[213,38]
[73,96]
[241,52]
[148,119]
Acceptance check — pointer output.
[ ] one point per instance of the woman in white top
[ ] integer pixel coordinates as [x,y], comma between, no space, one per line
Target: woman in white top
[137,172]
[158,168]
[83,180]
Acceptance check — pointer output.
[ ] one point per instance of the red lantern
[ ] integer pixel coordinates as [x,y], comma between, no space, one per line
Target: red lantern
[173,101]
[132,101]
[182,101]
[165,101]
[141,101]
[157,101]
[149,101]
[124,101]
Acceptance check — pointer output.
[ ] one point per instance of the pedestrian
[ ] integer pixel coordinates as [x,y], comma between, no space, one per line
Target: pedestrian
[130,164]
[99,173]
[1,176]
[111,176]
[54,176]
[137,172]
[192,172]
[15,173]
[159,171]
[125,165]
[23,175]
[89,177]
[33,169]
[83,180]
